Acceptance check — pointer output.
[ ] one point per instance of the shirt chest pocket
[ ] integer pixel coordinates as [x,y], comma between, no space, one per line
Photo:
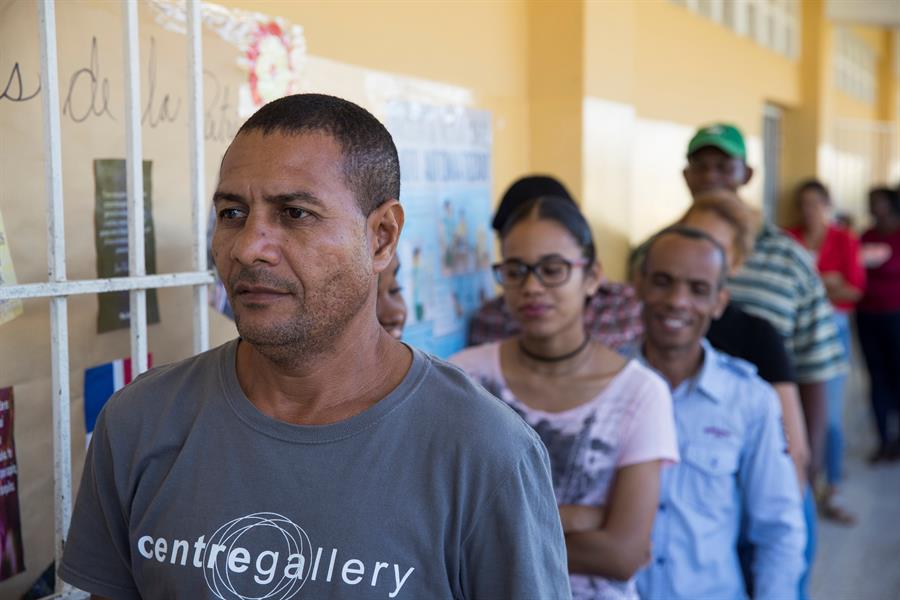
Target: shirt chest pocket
[708,475]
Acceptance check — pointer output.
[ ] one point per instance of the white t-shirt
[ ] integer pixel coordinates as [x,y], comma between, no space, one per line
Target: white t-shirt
[629,422]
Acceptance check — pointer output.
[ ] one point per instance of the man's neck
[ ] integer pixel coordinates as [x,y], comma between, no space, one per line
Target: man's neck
[815,234]
[358,370]
[676,365]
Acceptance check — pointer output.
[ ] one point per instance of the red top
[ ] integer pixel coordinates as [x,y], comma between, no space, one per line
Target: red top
[839,253]
[883,290]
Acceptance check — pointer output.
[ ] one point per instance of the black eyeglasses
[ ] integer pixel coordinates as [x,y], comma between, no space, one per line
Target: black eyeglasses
[551,272]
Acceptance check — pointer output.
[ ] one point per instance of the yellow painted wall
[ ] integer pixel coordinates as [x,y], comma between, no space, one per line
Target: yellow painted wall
[555,90]
[654,72]
[602,93]
[806,125]
[482,46]
[850,107]
[691,70]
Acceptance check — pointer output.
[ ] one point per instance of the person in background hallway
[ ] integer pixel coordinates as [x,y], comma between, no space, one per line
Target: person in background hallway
[732,223]
[612,315]
[878,317]
[390,307]
[835,251]
[606,421]
[779,283]
[315,450]
[844,220]
[735,469]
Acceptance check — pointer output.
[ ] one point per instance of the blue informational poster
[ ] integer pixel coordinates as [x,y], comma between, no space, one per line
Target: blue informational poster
[446,248]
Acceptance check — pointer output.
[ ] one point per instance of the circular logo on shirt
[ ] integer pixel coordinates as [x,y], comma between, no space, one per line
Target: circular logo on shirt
[263,555]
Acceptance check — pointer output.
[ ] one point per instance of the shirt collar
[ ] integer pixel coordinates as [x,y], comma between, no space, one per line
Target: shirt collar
[710,380]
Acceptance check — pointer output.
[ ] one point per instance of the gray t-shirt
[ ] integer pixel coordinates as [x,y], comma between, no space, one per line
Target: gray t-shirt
[437,491]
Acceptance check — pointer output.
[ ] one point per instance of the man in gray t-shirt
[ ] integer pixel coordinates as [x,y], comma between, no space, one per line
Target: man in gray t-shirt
[316,456]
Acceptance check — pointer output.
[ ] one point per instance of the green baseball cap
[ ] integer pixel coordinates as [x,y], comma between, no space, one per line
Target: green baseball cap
[723,136]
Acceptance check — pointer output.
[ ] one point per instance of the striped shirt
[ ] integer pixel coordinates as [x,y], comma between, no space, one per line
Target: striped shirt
[779,283]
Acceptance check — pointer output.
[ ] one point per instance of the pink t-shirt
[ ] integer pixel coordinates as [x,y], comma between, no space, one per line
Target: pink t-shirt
[629,422]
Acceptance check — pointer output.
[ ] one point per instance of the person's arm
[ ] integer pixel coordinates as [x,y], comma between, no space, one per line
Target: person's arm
[848,283]
[515,546]
[622,544]
[840,290]
[775,366]
[818,356]
[794,428]
[774,516]
[815,413]
[577,517]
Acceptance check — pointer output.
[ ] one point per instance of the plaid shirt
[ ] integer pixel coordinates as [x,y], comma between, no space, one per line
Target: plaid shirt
[612,316]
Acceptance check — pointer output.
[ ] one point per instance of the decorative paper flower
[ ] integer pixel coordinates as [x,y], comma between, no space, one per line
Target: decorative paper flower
[273,64]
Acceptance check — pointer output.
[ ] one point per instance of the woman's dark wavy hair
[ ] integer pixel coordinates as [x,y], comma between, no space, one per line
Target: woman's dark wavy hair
[560,210]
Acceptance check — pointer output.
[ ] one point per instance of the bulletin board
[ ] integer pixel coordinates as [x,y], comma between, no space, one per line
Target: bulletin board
[248,59]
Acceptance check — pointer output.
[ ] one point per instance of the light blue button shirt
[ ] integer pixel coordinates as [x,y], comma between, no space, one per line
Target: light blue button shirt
[734,468]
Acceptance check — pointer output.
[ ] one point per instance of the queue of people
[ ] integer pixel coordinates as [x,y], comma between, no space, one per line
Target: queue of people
[659,438]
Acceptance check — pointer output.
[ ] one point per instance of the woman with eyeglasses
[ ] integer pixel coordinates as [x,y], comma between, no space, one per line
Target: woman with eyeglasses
[606,422]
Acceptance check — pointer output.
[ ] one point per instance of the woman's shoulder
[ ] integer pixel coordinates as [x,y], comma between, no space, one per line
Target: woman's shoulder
[476,358]
[635,382]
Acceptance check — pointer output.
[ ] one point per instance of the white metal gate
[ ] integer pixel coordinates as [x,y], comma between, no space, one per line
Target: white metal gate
[58,288]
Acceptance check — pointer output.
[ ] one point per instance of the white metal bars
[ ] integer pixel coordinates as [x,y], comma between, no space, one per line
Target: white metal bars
[58,288]
[56,269]
[198,163]
[135,183]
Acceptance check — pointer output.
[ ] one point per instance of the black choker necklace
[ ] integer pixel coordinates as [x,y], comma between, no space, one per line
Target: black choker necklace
[554,359]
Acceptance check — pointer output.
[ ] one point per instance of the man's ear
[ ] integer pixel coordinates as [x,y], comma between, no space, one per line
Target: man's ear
[748,173]
[384,226]
[724,297]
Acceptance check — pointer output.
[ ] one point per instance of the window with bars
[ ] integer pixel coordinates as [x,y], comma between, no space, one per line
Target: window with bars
[58,288]
[773,24]
[855,66]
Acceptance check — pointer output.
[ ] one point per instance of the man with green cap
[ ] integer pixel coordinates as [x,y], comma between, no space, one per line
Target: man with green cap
[779,283]
[717,158]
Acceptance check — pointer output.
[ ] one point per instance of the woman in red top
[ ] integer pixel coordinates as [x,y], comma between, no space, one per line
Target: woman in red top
[878,319]
[836,253]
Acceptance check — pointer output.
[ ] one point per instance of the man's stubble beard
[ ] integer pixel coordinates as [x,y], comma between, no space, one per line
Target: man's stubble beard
[321,317]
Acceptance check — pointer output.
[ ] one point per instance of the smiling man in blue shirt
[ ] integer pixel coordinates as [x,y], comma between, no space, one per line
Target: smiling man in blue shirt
[735,467]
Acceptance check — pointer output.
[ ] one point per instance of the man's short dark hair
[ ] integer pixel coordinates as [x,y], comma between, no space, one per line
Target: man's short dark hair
[694,234]
[370,163]
[892,196]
